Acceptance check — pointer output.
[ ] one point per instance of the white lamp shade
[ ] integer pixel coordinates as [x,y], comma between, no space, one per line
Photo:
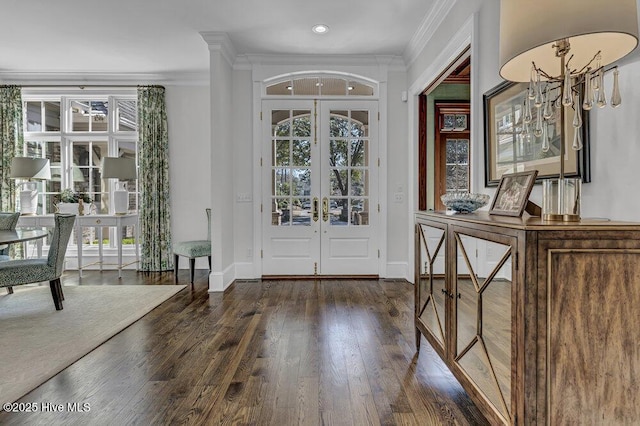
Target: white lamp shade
[528,29]
[119,168]
[30,168]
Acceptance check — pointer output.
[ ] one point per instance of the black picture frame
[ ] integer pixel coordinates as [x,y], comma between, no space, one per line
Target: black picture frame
[504,152]
[513,193]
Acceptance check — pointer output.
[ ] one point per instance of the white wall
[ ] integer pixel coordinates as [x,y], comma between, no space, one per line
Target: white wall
[244,169]
[397,178]
[615,153]
[189,163]
[222,171]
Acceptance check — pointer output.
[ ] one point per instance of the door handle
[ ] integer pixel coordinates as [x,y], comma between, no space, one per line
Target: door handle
[325,209]
[315,209]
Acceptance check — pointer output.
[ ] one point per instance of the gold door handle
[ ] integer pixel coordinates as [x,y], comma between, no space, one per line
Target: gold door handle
[325,209]
[314,206]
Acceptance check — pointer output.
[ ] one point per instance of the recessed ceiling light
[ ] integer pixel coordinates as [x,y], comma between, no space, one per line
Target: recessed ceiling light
[320,29]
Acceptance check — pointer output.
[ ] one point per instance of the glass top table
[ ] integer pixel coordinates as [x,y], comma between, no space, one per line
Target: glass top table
[20,235]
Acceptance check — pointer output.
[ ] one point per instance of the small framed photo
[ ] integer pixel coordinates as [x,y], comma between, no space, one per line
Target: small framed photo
[513,193]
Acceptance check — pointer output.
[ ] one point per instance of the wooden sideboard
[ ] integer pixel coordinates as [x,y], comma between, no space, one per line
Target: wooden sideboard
[539,321]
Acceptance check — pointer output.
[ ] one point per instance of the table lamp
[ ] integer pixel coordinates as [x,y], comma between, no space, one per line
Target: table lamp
[563,49]
[121,169]
[29,169]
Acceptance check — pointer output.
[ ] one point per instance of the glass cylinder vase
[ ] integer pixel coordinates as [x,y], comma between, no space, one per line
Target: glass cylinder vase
[561,199]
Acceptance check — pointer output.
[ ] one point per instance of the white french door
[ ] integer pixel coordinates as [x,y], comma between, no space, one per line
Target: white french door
[320,188]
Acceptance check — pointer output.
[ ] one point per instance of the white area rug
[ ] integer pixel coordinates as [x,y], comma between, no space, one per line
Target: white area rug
[37,342]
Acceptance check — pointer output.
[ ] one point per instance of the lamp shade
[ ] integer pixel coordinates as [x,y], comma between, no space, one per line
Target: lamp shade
[528,30]
[119,168]
[30,168]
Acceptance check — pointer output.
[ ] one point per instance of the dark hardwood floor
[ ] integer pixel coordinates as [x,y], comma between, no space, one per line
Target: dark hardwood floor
[334,352]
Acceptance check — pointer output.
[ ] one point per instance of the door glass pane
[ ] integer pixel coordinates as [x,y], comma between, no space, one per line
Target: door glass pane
[281,153]
[339,124]
[282,183]
[338,153]
[301,153]
[359,182]
[359,211]
[301,182]
[300,217]
[279,212]
[338,181]
[457,164]
[360,123]
[302,124]
[359,151]
[339,211]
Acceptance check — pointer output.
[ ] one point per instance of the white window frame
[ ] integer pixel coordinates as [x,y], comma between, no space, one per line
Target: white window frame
[66,137]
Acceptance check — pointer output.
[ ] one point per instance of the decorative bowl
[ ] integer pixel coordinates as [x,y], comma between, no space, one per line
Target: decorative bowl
[464,202]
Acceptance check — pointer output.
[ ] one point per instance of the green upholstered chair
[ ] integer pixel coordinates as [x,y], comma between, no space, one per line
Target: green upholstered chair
[193,250]
[27,271]
[8,222]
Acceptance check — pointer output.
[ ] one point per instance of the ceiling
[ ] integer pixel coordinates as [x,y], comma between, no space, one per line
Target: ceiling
[163,36]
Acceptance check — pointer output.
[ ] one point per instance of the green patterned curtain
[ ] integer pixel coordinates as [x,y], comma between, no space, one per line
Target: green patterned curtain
[153,179]
[10,139]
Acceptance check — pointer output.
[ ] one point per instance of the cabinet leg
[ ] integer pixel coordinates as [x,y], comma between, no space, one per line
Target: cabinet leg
[418,336]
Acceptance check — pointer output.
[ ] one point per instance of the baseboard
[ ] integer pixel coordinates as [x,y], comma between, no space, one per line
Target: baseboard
[244,271]
[399,270]
[220,281]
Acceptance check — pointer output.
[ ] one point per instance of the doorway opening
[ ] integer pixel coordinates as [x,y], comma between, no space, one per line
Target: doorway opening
[444,137]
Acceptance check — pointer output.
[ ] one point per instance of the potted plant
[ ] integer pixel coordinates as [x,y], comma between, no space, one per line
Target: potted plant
[72,202]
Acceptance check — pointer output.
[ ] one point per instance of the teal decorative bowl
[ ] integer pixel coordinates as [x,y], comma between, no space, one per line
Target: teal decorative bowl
[464,202]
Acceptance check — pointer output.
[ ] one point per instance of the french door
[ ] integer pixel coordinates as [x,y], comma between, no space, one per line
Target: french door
[320,188]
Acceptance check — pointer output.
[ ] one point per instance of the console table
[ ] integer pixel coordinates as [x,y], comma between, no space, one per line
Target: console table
[537,320]
[97,221]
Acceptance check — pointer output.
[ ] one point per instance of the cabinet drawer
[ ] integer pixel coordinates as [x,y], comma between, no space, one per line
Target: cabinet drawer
[97,221]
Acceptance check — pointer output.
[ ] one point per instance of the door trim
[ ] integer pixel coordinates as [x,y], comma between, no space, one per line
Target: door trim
[252,268]
[322,247]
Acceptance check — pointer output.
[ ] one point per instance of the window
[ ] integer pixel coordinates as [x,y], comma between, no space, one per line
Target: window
[75,131]
[321,85]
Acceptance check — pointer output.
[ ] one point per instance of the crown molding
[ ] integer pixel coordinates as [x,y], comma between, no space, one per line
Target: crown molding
[25,78]
[249,60]
[219,41]
[427,29]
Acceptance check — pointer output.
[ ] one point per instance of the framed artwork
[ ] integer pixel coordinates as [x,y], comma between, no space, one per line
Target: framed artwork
[513,193]
[507,150]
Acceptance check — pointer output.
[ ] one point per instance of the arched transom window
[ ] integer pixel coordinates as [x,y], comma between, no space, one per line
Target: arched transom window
[320,85]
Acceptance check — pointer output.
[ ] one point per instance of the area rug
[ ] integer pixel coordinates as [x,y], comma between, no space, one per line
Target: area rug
[37,342]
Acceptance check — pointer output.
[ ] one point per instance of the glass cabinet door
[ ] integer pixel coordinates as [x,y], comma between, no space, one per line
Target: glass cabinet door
[432,290]
[483,294]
